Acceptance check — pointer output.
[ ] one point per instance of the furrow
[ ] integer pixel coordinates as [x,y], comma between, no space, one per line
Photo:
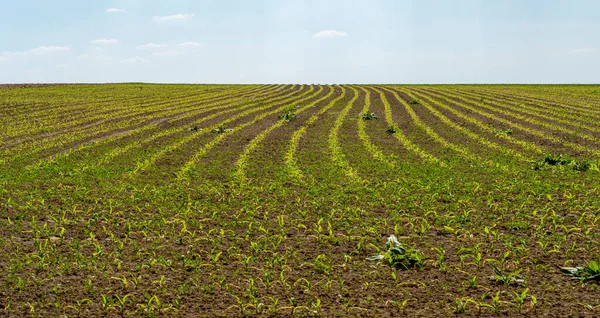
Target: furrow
[184,172]
[289,159]
[141,166]
[401,137]
[508,120]
[337,155]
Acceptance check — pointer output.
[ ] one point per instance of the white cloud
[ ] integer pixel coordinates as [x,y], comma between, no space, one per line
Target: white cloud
[135,60]
[583,51]
[577,52]
[105,41]
[329,34]
[40,51]
[61,66]
[191,44]
[96,56]
[172,18]
[169,53]
[151,46]
[115,10]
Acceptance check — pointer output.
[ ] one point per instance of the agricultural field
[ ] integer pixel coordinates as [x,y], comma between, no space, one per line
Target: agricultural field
[299,200]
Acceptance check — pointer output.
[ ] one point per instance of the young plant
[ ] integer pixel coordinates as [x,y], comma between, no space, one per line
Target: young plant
[507,279]
[398,256]
[414,101]
[471,282]
[495,305]
[460,304]
[289,115]
[401,305]
[441,257]
[392,129]
[520,298]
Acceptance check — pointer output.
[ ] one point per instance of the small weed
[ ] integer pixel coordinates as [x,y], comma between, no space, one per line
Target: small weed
[392,129]
[500,131]
[368,116]
[516,225]
[289,115]
[398,256]
[221,130]
[414,101]
[557,161]
[195,128]
[590,272]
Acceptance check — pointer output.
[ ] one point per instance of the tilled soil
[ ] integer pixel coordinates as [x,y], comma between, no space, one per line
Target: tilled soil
[266,225]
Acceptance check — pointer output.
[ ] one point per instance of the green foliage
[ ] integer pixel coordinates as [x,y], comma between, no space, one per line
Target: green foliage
[398,256]
[516,225]
[414,101]
[155,218]
[368,116]
[507,279]
[322,265]
[520,298]
[590,272]
[499,131]
[289,114]
[221,130]
[471,282]
[560,161]
[392,129]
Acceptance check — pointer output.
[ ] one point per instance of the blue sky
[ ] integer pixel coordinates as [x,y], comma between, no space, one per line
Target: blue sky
[295,41]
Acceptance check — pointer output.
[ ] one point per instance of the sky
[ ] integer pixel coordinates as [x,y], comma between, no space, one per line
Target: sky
[300,41]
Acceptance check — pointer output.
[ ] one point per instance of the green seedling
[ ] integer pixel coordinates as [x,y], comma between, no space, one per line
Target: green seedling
[471,282]
[460,304]
[520,298]
[507,279]
[414,101]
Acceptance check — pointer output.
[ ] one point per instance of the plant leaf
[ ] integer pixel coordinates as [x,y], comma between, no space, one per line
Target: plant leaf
[375,258]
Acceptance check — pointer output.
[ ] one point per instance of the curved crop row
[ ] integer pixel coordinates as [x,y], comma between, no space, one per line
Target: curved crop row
[529,116]
[409,145]
[334,146]
[539,134]
[141,166]
[290,161]
[375,152]
[183,173]
[87,139]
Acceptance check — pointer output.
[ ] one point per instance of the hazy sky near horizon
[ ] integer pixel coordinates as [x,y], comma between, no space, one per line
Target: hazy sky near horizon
[300,41]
